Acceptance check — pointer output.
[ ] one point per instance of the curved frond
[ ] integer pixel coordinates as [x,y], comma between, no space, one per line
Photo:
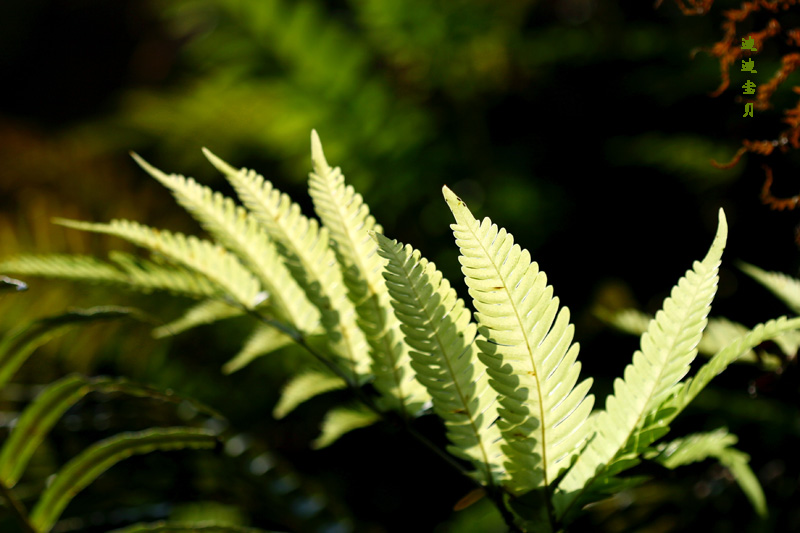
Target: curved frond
[784,287]
[52,402]
[309,257]
[715,444]
[129,272]
[204,257]
[35,422]
[239,231]
[347,217]
[17,346]
[714,367]
[263,340]
[667,349]
[528,351]
[303,387]
[206,312]
[89,464]
[441,334]
[342,420]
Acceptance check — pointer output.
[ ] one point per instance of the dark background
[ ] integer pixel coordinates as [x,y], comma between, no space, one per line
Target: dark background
[583,127]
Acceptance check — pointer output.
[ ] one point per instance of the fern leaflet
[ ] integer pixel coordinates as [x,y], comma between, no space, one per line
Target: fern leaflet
[441,334]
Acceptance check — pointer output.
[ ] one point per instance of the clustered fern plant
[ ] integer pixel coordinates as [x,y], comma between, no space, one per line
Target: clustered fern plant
[384,323]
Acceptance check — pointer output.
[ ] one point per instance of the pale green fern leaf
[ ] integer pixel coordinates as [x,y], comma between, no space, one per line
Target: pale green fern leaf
[441,334]
[303,387]
[344,213]
[656,423]
[784,287]
[342,420]
[205,312]
[263,340]
[239,231]
[528,351]
[204,257]
[667,349]
[306,249]
[715,444]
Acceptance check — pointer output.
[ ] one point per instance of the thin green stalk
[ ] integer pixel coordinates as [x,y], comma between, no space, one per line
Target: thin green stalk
[495,493]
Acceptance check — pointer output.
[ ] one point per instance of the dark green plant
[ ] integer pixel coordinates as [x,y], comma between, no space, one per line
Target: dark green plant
[37,420]
[383,323]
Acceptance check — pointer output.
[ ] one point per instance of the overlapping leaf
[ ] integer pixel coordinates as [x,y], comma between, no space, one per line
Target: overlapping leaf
[204,257]
[240,232]
[308,255]
[441,334]
[528,351]
[344,213]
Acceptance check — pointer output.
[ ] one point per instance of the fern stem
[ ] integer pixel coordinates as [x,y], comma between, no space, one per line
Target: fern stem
[494,492]
[17,509]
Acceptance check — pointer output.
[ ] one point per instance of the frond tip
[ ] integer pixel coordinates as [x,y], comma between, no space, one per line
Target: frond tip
[667,349]
[528,351]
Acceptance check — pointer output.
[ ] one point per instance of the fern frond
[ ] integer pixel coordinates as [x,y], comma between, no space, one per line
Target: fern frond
[344,213]
[239,231]
[309,257]
[342,420]
[204,257]
[784,287]
[205,312]
[303,387]
[717,444]
[528,351]
[689,389]
[89,464]
[17,346]
[263,340]
[667,349]
[441,334]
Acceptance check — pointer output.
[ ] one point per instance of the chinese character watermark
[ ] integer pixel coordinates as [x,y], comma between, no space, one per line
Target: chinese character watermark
[748,65]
